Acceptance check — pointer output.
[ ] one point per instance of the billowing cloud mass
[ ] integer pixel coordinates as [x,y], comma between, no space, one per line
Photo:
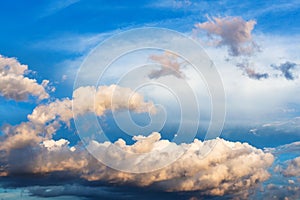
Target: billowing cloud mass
[286,69]
[231,167]
[30,148]
[46,119]
[169,64]
[113,97]
[14,84]
[233,32]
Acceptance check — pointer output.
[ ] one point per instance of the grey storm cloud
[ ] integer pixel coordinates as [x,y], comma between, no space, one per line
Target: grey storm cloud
[286,69]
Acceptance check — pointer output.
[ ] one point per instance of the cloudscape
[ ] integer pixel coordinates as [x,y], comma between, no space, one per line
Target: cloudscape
[170,99]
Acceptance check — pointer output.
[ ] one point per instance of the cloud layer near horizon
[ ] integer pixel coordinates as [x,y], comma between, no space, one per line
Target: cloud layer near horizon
[231,167]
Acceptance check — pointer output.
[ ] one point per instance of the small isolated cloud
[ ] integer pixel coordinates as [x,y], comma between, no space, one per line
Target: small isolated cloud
[232,32]
[286,70]
[250,72]
[169,64]
[14,84]
[64,77]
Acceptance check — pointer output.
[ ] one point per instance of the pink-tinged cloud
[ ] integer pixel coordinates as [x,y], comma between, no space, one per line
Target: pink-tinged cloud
[169,64]
[232,32]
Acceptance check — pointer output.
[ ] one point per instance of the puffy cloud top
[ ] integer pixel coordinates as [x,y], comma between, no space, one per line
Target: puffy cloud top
[229,168]
[46,119]
[14,84]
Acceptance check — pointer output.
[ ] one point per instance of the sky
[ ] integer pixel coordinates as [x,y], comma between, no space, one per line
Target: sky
[149,99]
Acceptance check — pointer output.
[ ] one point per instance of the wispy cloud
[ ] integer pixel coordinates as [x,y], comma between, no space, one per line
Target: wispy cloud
[170,65]
[56,6]
[71,43]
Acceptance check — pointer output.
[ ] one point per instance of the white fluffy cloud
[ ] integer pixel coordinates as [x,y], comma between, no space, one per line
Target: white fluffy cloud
[14,84]
[229,168]
[233,32]
[46,119]
[91,99]
[113,97]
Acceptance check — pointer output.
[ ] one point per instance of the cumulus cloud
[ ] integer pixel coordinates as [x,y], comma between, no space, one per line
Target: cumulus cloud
[46,119]
[29,148]
[293,168]
[53,145]
[22,135]
[169,63]
[91,99]
[113,97]
[14,84]
[230,167]
[232,32]
[286,70]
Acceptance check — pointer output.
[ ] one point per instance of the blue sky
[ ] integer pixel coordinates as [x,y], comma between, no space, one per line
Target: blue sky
[52,38]
[254,48]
